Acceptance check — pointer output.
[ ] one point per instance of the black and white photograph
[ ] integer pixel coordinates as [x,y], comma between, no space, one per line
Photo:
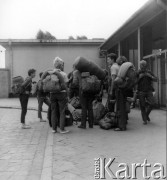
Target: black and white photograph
[83,89]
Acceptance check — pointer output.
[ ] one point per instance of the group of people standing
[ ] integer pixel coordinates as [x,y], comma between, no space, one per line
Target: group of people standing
[143,90]
[117,97]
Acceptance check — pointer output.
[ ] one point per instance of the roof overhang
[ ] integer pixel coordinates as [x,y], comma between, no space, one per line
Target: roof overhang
[150,10]
[51,42]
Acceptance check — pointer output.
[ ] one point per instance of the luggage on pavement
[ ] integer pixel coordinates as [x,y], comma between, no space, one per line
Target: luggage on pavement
[98,111]
[68,118]
[75,102]
[76,113]
[109,121]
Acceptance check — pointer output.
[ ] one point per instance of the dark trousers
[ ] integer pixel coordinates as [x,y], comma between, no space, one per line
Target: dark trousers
[121,108]
[87,109]
[58,103]
[146,104]
[24,102]
[73,92]
[42,100]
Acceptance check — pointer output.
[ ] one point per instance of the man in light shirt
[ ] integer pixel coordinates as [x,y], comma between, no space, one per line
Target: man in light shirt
[113,69]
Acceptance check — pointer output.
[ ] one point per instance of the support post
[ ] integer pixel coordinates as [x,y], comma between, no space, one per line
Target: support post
[139,46]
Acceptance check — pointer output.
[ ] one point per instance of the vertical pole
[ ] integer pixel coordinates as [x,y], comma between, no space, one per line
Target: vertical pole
[139,46]
[166,77]
[11,65]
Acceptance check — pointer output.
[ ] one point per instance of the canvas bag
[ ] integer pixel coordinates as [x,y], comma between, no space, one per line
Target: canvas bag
[75,102]
[17,85]
[98,111]
[109,121]
[51,84]
[90,84]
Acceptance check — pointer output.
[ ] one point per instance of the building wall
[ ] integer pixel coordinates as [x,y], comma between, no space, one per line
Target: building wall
[21,57]
[4,82]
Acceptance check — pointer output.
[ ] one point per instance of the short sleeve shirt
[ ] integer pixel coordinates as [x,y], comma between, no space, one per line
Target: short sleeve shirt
[114,69]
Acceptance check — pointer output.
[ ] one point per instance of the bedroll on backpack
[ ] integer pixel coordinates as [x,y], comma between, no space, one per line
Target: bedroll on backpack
[17,85]
[90,84]
[127,76]
[84,65]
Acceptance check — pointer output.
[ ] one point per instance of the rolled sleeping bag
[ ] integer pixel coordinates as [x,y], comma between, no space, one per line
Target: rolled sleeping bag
[123,69]
[83,65]
[122,73]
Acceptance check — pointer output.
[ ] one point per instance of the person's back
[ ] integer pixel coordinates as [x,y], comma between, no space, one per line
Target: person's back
[59,99]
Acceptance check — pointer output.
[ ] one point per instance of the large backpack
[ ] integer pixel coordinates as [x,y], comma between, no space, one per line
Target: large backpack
[17,85]
[52,83]
[90,83]
[127,76]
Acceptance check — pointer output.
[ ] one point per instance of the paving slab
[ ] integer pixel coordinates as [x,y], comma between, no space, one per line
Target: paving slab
[39,154]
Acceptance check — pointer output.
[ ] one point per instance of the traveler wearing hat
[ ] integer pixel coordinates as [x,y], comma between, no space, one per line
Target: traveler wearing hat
[145,91]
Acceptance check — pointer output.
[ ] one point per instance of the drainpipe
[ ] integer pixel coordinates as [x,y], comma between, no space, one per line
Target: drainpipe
[162,4]
[11,61]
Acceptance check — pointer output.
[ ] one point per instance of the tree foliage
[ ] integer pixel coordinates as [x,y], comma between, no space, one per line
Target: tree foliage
[45,35]
[81,37]
[71,38]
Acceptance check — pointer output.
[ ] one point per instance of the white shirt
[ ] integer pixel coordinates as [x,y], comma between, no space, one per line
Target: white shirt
[114,69]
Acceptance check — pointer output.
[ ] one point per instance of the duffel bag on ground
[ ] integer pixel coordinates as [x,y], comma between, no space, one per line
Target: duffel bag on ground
[98,111]
[109,121]
[104,125]
[75,102]
[112,118]
[83,65]
[90,84]
[68,118]
[76,113]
